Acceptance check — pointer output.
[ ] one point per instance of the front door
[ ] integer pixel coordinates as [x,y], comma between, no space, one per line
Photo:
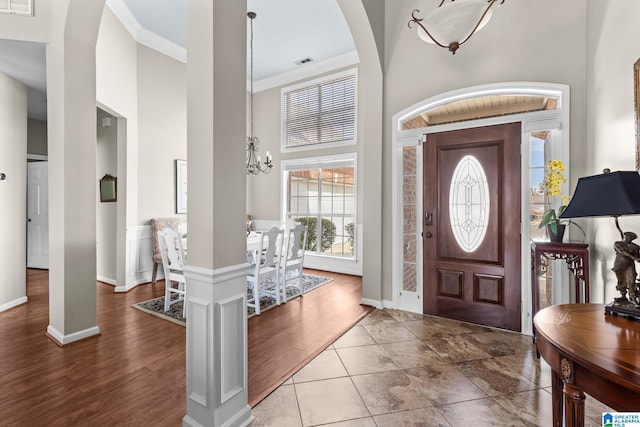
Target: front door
[471,225]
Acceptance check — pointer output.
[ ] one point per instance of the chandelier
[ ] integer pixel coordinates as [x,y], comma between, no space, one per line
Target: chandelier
[452,23]
[254,165]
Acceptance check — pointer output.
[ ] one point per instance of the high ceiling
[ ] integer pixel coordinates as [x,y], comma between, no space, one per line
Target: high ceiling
[285,31]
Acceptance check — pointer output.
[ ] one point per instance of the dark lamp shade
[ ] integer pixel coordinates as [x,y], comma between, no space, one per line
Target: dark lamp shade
[608,194]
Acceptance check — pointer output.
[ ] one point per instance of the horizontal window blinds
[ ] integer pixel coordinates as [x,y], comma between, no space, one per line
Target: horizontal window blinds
[321,113]
[18,7]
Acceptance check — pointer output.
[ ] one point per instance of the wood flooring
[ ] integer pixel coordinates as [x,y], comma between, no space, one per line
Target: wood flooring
[134,372]
[284,339]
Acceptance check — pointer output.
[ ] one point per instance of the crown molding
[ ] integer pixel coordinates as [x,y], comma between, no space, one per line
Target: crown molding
[122,12]
[144,36]
[307,71]
[169,48]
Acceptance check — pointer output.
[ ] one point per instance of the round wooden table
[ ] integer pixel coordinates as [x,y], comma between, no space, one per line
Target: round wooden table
[589,352]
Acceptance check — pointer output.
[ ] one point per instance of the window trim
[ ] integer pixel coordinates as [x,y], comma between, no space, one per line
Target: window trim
[307,83]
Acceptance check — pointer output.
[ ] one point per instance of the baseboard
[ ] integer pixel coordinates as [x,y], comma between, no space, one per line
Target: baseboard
[372,302]
[14,303]
[107,280]
[387,303]
[76,336]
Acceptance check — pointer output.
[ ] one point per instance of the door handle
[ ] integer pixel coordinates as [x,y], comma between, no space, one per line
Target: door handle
[428,218]
[28,219]
[428,235]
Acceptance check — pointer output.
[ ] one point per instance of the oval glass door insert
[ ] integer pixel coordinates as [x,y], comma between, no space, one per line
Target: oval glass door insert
[469,204]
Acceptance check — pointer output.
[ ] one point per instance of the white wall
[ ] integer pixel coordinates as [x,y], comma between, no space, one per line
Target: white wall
[162,136]
[146,92]
[612,49]
[541,41]
[117,93]
[13,162]
[34,28]
[106,212]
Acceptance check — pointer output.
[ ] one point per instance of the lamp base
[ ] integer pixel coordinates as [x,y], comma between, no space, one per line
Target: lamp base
[623,308]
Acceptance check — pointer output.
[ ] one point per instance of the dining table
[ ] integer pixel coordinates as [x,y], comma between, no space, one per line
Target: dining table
[253,241]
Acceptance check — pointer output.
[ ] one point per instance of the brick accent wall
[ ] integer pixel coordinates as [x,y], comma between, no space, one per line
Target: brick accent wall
[409,226]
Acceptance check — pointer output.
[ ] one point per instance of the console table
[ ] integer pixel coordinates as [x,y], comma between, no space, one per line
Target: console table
[589,353]
[577,257]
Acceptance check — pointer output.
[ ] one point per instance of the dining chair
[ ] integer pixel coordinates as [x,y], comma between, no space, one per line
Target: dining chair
[159,224]
[172,253]
[263,277]
[292,260]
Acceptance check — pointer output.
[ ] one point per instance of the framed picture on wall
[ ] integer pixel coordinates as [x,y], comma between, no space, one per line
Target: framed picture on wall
[181,186]
[108,188]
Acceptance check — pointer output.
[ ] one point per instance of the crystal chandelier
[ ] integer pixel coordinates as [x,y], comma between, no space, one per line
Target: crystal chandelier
[254,165]
[452,24]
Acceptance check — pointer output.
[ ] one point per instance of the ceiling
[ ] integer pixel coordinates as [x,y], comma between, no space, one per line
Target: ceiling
[285,31]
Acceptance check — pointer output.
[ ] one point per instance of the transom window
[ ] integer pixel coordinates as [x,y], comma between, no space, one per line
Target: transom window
[320,112]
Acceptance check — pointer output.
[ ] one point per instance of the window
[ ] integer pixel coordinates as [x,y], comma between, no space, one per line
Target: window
[469,201]
[321,193]
[320,112]
[18,7]
[538,200]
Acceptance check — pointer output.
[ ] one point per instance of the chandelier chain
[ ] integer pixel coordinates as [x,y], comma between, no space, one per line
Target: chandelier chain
[251,74]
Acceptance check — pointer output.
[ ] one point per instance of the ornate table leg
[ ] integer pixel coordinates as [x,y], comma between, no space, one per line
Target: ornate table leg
[574,404]
[574,397]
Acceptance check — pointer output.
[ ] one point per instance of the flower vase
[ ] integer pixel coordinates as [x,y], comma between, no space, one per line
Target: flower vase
[559,235]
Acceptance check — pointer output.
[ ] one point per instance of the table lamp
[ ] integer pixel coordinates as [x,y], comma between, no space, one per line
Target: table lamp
[614,194]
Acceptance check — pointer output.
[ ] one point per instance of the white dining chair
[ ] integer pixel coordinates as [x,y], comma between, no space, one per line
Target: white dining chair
[172,253]
[263,277]
[292,260]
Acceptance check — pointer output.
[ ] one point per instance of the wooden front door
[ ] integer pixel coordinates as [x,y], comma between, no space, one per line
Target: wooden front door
[471,225]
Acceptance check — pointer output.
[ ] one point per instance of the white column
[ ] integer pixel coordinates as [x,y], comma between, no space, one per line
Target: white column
[216,274]
[71,111]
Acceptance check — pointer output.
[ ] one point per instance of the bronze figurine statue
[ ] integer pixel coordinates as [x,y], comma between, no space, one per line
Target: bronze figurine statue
[627,253]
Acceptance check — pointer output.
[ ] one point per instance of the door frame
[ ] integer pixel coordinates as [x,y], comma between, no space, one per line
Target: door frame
[540,120]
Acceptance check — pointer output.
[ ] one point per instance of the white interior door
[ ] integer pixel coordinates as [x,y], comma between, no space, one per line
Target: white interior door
[37,215]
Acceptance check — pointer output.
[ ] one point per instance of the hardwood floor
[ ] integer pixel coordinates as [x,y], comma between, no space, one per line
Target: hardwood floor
[284,339]
[134,372]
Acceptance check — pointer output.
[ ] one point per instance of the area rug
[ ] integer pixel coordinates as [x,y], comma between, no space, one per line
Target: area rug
[156,306]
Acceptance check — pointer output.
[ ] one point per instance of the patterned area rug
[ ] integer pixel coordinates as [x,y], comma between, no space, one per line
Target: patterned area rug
[156,306]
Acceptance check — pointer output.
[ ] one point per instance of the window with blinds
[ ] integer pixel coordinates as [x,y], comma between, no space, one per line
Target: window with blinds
[17,7]
[321,112]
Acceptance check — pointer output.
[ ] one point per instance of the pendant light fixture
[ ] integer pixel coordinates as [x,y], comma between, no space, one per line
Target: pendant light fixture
[453,22]
[254,165]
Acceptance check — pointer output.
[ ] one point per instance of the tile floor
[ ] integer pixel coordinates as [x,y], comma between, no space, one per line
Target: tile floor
[402,369]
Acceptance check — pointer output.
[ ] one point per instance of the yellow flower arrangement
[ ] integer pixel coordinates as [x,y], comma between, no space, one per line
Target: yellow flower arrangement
[552,183]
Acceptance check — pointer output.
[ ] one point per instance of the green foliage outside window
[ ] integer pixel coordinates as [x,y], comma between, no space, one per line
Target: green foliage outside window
[350,229]
[328,233]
